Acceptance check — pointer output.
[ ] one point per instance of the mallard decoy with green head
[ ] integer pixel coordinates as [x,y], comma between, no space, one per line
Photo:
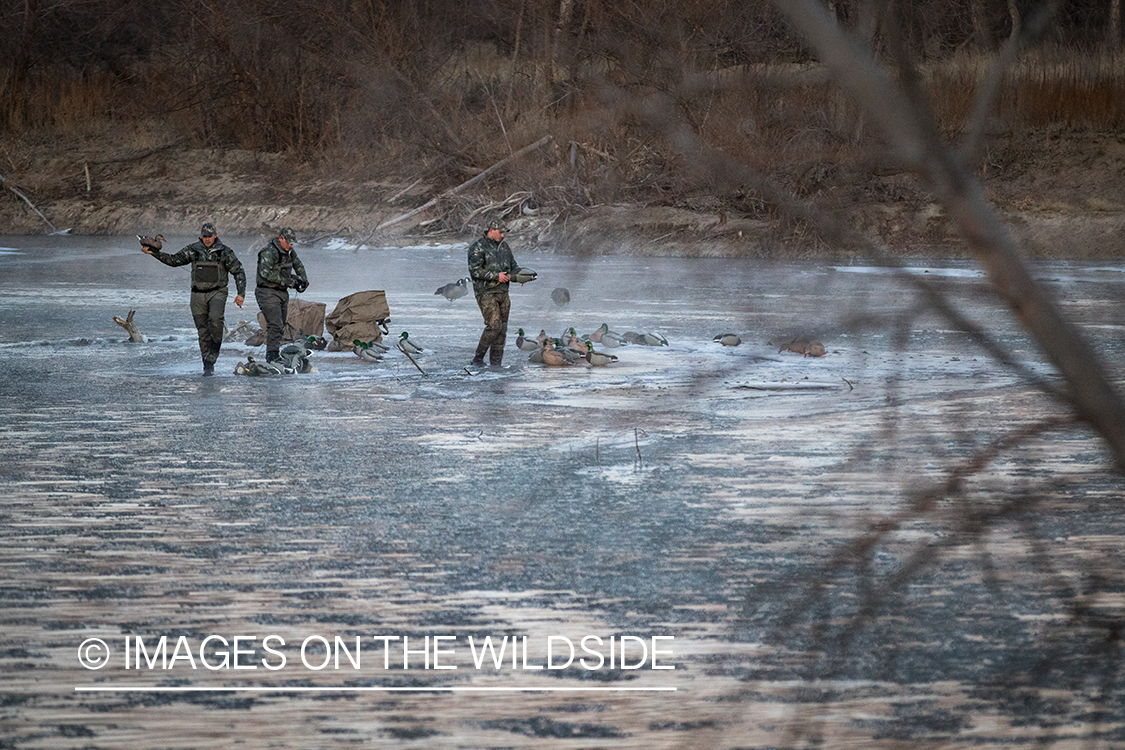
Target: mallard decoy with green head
[598,359]
[152,243]
[728,339]
[526,344]
[366,351]
[408,346]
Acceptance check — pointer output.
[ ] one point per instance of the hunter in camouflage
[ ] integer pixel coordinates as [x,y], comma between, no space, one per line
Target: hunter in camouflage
[491,267]
[212,265]
[279,270]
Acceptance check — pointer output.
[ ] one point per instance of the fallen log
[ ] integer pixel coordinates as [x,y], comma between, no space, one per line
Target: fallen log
[468,183]
[135,336]
[4,183]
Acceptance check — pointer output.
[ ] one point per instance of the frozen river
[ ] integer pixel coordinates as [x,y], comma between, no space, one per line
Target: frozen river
[684,494]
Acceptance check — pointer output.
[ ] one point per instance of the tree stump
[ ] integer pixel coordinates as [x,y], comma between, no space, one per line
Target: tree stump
[135,336]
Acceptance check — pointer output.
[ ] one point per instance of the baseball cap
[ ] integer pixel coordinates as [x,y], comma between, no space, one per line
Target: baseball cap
[288,234]
[498,224]
[208,230]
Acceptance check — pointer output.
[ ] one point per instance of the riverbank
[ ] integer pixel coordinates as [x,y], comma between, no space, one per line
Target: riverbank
[1060,193]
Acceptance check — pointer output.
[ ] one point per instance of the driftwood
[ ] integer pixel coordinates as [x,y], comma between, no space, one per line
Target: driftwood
[135,336]
[468,183]
[412,361]
[4,183]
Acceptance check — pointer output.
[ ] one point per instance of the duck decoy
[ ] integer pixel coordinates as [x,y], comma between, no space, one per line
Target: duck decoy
[805,346]
[631,337]
[553,357]
[609,338]
[570,338]
[408,346]
[152,243]
[572,354]
[728,339]
[523,276]
[561,296]
[598,359]
[366,351]
[526,344]
[542,336]
[317,342]
[456,290]
[652,339]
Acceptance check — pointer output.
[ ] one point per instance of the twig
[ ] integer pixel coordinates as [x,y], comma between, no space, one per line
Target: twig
[401,349]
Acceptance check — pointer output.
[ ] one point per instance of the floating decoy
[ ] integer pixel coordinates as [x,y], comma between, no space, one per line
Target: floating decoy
[561,296]
[647,339]
[152,243]
[598,359]
[407,345]
[525,344]
[728,339]
[456,290]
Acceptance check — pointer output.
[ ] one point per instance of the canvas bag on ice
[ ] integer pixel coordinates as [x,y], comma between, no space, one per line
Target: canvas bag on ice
[302,320]
[362,315]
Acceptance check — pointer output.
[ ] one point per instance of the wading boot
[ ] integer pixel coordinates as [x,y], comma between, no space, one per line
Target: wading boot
[477,362]
[208,368]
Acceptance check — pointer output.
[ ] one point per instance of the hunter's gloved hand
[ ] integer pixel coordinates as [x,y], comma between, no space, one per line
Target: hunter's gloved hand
[301,286]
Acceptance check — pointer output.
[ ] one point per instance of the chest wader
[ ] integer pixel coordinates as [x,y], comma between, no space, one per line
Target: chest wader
[208,305]
[494,306]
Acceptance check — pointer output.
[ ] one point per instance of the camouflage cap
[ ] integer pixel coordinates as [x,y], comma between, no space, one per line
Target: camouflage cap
[288,234]
[208,230]
[497,224]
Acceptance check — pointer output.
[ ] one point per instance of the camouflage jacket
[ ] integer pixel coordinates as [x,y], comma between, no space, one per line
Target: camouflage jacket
[487,259]
[209,266]
[279,269]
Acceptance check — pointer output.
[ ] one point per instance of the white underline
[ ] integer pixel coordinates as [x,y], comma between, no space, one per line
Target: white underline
[334,689]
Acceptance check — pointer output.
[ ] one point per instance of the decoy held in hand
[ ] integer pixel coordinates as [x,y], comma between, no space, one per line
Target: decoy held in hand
[728,339]
[523,276]
[407,345]
[561,296]
[598,359]
[152,243]
[456,290]
[526,344]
